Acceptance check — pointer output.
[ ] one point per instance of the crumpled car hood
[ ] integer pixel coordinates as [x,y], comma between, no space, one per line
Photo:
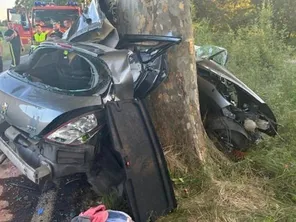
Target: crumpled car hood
[224,73]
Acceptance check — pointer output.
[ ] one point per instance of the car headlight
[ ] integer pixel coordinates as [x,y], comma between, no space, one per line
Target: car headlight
[77,131]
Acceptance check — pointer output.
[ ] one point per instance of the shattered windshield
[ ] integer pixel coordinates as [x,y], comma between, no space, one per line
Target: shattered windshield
[216,53]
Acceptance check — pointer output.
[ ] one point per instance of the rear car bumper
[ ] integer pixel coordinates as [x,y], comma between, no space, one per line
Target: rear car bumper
[35,175]
[43,160]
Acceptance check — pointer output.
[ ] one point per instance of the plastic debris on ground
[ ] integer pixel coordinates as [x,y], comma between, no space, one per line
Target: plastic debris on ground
[100,214]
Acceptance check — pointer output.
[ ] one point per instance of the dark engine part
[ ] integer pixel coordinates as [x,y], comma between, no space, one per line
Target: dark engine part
[229,133]
[231,114]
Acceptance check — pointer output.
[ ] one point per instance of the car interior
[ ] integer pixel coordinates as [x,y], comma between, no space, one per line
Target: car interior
[58,68]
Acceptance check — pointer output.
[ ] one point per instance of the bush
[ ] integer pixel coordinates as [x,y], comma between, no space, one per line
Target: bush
[260,57]
[254,50]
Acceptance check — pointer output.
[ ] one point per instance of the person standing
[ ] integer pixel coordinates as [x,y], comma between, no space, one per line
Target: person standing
[68,23]
[15,44]
[1,52]
[56,31]
[39,36]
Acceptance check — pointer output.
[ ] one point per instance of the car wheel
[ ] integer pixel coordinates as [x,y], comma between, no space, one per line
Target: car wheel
[231,143]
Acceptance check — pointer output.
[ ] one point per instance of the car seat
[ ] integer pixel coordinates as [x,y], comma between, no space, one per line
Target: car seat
[74,74]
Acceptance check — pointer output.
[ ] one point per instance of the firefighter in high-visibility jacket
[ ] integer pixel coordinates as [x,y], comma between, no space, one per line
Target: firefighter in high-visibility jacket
[38,37]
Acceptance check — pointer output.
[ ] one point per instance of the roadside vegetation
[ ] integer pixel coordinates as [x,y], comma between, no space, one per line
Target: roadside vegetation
[263,186]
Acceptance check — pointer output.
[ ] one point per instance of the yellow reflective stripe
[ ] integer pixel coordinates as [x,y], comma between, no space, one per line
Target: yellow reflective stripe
[12,54]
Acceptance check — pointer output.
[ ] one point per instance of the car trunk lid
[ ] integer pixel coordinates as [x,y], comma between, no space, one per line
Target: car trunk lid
[31,109]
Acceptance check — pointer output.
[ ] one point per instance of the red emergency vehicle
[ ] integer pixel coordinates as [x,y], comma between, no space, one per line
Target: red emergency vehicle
[45,14]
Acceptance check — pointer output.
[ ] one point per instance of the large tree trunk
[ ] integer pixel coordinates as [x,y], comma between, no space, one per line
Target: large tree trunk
[175,105]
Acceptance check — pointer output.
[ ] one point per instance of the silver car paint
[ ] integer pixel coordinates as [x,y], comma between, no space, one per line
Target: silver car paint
[210,90]
[32,108]
[224,73]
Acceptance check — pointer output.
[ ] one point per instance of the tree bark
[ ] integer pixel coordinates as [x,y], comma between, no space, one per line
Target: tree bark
[174,106]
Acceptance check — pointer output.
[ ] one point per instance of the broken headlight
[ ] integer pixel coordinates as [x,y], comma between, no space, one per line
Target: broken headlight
[75,132]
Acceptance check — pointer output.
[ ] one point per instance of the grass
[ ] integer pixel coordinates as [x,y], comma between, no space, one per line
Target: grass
[263,186]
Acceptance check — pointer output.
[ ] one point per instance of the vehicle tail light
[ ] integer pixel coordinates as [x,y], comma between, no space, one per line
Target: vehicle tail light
[75,132]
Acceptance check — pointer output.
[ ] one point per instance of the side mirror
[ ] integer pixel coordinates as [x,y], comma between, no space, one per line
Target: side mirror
[226,60]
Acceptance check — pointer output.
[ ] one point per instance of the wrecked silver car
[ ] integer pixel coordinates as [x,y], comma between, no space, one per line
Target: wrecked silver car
[234,116]
[75,107]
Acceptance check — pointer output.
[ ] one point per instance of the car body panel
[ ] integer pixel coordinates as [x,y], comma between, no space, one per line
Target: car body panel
[208,64]
[224,73]
[32,106]
[38,107]
[31,109]
[209,90]
[119,68]
[93,26]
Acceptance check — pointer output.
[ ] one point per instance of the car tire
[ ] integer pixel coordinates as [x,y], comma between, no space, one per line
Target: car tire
[233,144]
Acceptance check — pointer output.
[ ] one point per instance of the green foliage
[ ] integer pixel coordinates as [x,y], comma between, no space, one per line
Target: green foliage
[224,13]
[284,15]
[24,2]
[262,187]
[241,13]
[27,4]
[257,48]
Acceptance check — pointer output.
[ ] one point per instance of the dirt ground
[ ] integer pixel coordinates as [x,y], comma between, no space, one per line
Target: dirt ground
[18,196]
[22,200]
